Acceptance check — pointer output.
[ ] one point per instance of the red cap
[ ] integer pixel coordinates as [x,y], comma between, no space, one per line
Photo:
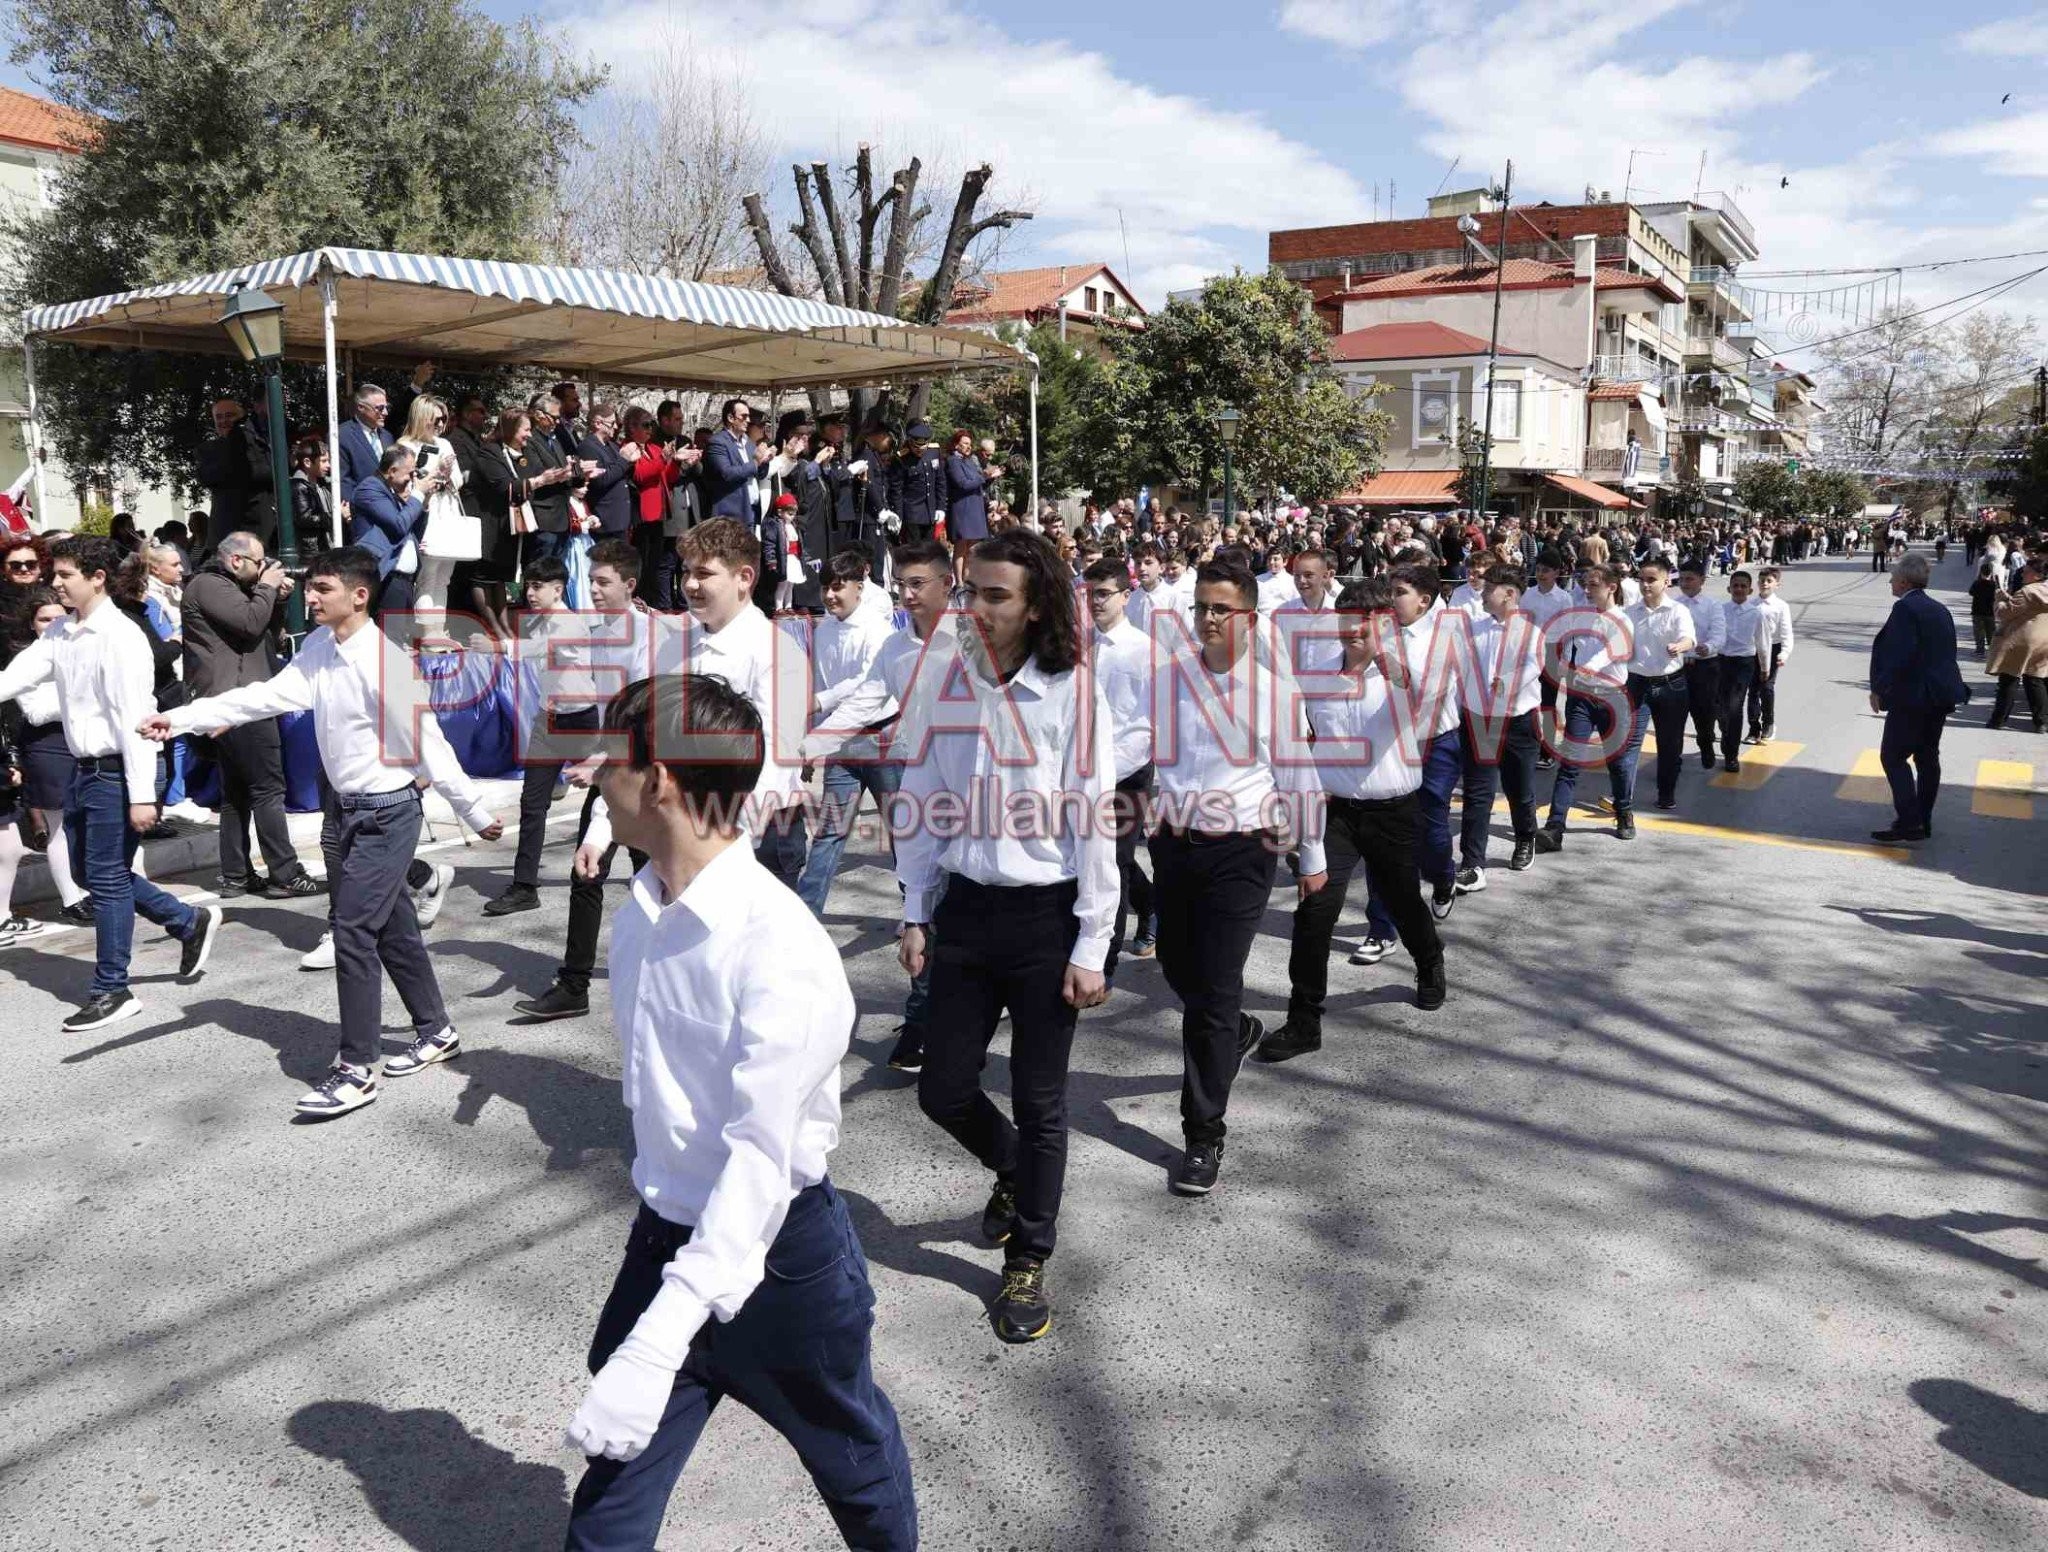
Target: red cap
[785,502]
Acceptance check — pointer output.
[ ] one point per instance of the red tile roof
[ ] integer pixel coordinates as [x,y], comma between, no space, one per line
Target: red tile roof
[1629,391]
[1024,293]
[36,121]
[1403,341]
[1405,488]
[1521,275]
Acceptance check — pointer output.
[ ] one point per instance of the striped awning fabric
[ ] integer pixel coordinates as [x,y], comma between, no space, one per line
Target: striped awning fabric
[622,326]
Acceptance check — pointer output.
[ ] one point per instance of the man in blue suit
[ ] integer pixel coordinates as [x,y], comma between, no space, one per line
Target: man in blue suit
[364,439]
[387,515]
[731,465]
[1914,681]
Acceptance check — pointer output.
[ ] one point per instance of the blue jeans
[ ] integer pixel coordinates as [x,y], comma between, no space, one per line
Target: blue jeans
[843,786]
[1582,718]
[1443,766]
[796,1355]
[103,859]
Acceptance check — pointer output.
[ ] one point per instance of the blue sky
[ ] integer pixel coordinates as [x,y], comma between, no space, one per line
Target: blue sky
[1205,125]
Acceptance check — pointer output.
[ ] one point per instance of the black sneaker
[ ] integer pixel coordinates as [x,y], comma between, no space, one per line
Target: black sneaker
[1890,837]
[1430,988]
[1550,838]
[1288,1042]
[1469,881]
[1001,1212]
[1546,762]
[78,913]
[1731,764]
[424,1052]
[520,897]
[1144,946]
[300,886]
[1250,1031]
[557,1002]
[1524,854]
[1441,898]
[199,947]
[1706,759]
[1022,1312]
[1625,825]
[1196,1173]
[345,1088]
[907,1055]
[234,888]
[1666,805]
[102,1009]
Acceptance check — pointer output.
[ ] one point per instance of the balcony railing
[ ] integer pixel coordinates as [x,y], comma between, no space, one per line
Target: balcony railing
[1626,369]
[1731,212]
[1724,352]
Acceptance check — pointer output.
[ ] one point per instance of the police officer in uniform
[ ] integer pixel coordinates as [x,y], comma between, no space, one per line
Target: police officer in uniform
[921,483]
[881,503]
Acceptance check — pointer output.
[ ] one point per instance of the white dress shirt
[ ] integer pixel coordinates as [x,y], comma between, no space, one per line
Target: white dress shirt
[1506,679]
[1435,636]
[1780,615]
[1275,588]
[877,697]
[1470,599]
[1746,629]
[1655,632]
[1608,659]
[555,645]
[1309,635]
[1363,749]
[371,717]
[105,677]
[1231,750]
[730,1066]
[1707,627]
[1145,601]
[1123,664]
[843,655]
[1011,763]
[1543,607]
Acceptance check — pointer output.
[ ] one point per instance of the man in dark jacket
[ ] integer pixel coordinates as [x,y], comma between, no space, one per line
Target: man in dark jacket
[609,492]
[234,466]
[232,610]
[881,501]
[363,439]
[731,465]
[1914,681]
[569,429]
[920,483]
[387,514]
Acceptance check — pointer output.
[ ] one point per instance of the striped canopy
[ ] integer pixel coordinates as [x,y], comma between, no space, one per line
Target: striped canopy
[396,308]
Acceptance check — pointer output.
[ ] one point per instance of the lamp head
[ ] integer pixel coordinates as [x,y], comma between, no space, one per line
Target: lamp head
[1227,421]
[255,322]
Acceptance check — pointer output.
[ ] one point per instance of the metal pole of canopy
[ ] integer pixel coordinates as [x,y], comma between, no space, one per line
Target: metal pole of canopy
[330,304]
[35,433]
[1034,437]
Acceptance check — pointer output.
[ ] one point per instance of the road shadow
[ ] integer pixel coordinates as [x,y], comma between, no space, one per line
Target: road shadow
[2004,1440]
[906,1247]
[431,1482]
[575,1113]
[528,971]
[305,1044]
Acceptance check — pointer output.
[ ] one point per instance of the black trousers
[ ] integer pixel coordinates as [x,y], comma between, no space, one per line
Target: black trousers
[651,543]
[1381,833]
[368,843]
[586,905]
[1667,701]
[537,782]
[1134,889]
[1910,752]
[1514,773]
[1212,894]
[995,947]
[1738,677]
[1703,699]
[394,595]
[1763,695]
[2037,699]
[251,760]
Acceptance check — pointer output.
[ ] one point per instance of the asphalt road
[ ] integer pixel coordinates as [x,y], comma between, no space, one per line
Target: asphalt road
[1708,1214]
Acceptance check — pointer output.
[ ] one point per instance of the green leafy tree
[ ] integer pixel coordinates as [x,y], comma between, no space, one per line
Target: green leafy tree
[1769,489]
[1836,493]
[229,133]
[1073,451]
[1250,341]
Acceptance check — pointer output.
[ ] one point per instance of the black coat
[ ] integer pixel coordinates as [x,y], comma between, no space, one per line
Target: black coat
[610,491]
[235,469]
[312,517]
[550,502]
[488,487]
[229,631]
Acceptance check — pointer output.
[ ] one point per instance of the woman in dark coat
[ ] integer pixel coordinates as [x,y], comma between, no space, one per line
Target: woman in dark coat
[966,491]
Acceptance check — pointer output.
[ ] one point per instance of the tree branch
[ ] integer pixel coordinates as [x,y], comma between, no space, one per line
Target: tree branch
[764,239]
[901,219]
[828,198]
[813,240]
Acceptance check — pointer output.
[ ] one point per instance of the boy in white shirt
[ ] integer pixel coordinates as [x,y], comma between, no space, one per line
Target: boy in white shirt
[743,1276]
[1703,668]
[1122,657]
[1763,691]
[1500,732]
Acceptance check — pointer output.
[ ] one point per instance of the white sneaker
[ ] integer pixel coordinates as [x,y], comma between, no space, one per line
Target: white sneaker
[428,899]
[345,1088]
[321,955]
[1370,952]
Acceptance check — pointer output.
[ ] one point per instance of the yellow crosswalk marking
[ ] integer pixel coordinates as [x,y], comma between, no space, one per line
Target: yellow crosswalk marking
[1760,762]
[2005,789]
[1865,782]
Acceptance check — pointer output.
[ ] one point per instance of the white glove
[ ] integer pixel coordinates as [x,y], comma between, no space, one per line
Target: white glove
[623,1408]
[858,466]
[938,517]
[891,523]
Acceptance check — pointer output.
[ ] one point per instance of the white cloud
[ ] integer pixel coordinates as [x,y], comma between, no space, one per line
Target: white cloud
[2016,145]
[1359,24]
[1056,120]
[2026,36]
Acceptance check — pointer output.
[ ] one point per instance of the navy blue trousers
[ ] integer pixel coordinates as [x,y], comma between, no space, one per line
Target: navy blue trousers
[796,1355]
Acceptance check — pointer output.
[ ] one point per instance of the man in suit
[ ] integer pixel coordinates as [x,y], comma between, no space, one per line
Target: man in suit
[1915,683]
[364,439]
[731,465]
[387,515]
[234,466]
[920,483]
[548,491]
[880,493]
[609,492]
[569,428]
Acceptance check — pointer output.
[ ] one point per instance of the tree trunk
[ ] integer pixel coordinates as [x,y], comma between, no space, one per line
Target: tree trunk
[937,296]
[806,232]
[764,238]
[902,218]
[821,174]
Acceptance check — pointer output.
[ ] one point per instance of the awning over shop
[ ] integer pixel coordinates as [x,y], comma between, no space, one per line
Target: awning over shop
[1405,488]
[1586,490]
[624,328]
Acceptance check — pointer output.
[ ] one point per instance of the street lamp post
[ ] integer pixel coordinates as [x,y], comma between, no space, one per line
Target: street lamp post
[255,322]
[1227,421]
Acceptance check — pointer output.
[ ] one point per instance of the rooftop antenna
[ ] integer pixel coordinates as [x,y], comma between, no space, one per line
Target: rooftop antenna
[1700,182]
[1447,174]
[1126,237]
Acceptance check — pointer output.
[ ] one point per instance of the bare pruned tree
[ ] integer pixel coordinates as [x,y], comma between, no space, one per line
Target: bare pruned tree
[863,242]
